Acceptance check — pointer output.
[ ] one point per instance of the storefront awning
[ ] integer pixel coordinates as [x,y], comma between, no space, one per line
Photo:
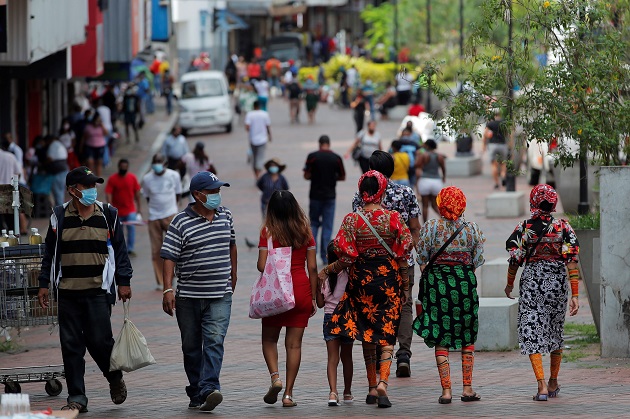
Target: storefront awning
[250,7]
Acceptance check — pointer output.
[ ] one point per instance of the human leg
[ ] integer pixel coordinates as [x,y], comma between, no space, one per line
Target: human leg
[328,217]
[270,337]
[293,346]
[425,207]
[73,347]
[348,369]
[156,238]
[315,208]
[131,230]
[434,204]
[539,372]
[385,364]
[468,362]
[556,360]
[369,356]
[59,187]
[444,370]
[332,349]
[405,332]
[188,315]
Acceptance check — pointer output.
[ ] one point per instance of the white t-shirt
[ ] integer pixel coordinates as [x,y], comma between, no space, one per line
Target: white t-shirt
[351,76]
[262,88]
[369,142]
[106,117]
[8,167]
[18,153]
[57,151]
[402,84]
[258,121]
[288,77]
[162,191]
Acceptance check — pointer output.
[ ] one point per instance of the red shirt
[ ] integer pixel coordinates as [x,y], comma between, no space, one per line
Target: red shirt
[123,190]
[415,110]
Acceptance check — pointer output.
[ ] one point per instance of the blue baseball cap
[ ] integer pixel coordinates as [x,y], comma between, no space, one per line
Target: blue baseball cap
[206,180]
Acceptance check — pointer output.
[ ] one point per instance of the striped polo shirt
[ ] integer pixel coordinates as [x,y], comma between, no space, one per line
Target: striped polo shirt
[201,252]
[83,250]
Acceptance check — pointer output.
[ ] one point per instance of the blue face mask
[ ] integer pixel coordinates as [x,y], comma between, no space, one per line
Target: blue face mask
[89,196]
[274,169]
[157,168]
[213,200]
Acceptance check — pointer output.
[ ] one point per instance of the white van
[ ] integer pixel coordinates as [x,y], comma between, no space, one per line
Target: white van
[204,101]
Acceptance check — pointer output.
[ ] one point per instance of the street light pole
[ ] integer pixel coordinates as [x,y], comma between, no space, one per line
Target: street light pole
[396,30]
[461,29]
[429,43]
[510,178]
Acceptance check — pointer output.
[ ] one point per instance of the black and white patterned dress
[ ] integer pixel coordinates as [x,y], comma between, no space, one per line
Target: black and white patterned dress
[544,283]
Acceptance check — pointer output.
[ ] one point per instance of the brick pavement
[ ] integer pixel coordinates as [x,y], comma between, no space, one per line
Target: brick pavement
[591,387]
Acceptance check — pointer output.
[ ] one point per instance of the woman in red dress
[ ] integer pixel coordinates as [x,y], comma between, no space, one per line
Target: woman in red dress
[288,226]
[370,309]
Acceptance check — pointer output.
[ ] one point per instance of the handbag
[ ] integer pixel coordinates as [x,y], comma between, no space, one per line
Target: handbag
[356,151]
[130,350]
[273,293]
[427,268]
[378,237]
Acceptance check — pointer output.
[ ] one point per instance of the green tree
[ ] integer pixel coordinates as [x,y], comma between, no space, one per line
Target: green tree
[579,98]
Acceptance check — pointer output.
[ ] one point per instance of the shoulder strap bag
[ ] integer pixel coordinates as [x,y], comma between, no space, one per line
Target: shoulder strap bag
[429,265]
[530,252]
[378,237]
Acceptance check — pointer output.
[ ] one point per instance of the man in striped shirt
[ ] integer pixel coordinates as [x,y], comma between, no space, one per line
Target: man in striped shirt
[200,249]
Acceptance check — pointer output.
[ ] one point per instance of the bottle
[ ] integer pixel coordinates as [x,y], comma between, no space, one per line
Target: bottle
[35,238]
[4,238]
[12,240]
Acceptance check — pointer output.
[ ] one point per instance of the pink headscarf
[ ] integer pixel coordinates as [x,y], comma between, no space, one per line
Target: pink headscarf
[539,194]
[382,185]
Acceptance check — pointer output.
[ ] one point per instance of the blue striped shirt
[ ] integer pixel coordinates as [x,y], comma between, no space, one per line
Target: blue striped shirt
[201,252]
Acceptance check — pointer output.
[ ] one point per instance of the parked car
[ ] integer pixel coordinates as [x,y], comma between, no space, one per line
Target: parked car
[204,101]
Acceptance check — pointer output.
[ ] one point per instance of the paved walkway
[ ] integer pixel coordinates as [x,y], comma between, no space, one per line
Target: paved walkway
[590,387]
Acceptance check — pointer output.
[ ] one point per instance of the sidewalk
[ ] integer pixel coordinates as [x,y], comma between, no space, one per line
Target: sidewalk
[590,386]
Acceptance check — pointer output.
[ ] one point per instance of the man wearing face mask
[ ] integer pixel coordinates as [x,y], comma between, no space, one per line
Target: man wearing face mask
[123,192]
[85,241]
[162,188]
[200,246]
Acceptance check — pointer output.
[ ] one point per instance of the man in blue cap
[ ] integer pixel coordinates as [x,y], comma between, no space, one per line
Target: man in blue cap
[200,247]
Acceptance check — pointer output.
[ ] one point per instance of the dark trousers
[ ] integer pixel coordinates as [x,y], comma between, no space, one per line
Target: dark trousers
[364,163]
[84,323]
[322,214]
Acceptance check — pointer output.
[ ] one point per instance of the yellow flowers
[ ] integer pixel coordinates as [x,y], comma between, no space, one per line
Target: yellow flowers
[546,4]
[579,131]
[496,58]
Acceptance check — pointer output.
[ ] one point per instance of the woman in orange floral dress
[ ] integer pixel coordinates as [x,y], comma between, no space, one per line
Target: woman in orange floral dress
[370,308]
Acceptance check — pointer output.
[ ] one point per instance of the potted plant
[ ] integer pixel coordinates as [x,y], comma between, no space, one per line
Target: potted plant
[586,227]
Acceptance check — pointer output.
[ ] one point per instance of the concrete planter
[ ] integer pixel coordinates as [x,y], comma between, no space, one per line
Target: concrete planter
[590,259]
[568,185]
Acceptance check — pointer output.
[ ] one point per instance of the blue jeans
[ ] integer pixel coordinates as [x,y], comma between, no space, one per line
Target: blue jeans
[84,323]
[322,214]
[203,323]
[58,187]
[131,230]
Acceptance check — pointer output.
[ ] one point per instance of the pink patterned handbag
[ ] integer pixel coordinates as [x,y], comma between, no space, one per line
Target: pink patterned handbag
[272,293]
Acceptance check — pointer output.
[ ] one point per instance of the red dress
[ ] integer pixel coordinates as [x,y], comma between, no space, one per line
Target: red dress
[299,315]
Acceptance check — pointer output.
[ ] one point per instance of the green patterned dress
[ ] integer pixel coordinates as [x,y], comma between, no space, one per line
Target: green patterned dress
[449,292]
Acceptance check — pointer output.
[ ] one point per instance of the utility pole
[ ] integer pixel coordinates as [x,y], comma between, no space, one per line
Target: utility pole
[461,29]
[429,43]
[510,178]
[396,30]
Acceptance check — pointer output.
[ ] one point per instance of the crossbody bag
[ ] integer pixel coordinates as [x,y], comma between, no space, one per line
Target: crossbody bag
[378,237]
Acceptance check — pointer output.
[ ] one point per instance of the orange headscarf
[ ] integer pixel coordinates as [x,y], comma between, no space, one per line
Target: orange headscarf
[451,202]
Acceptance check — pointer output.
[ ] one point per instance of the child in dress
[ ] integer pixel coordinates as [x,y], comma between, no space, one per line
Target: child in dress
[328,295]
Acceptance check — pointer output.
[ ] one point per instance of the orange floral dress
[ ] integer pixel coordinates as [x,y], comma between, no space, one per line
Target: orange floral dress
[370,308]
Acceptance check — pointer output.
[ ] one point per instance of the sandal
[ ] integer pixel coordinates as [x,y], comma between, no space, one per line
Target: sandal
[333,399]
[274,389]
[555,392]
[444,400]
[383,401]
[348,398]
[540,397]
[472,398]
[287,401]
[371,399]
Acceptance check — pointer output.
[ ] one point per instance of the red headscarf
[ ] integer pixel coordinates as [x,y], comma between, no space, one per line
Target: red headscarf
[451,202]
[539,194]
[382,185]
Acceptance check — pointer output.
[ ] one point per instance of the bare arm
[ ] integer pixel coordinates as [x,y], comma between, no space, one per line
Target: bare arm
[311,266]
[269,132]
[442,166]
[168,300]
[356,143]
[137,197]
[233,262]
[414,228]
[108,197]
[307,174]
[262,259]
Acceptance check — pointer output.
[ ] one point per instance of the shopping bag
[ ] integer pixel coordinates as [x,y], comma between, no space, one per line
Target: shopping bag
[130,350]
[273,293]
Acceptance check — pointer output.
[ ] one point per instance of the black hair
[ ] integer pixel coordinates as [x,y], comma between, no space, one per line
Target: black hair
[430,144]
[256,104]
[332,258]
[324,139]
[396,145]
[369,185]
[123,161]
[383,162]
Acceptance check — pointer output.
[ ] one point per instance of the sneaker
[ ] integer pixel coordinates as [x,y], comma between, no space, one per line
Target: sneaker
[75,406]
[194,404]
[118,392]
[402,366]
[212,400]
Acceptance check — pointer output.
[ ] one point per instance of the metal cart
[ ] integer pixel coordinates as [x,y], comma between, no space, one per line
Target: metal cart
[19,307]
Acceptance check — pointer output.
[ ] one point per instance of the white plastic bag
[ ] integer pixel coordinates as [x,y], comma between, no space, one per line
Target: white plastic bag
[130,350]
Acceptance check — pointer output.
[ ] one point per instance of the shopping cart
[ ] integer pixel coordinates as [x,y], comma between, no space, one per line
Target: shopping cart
[19,308]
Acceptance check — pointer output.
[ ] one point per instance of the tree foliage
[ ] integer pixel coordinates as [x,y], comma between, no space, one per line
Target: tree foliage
[580,98]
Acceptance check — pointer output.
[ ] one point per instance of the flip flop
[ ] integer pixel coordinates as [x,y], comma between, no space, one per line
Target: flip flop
[554,393]
[444,400]
[371,399]
[473,398]
[540,397]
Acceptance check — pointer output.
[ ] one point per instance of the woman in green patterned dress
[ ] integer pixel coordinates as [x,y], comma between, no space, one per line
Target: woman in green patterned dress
[448,290]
